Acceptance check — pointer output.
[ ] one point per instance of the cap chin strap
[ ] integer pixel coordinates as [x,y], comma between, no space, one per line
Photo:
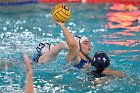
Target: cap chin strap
[82,51]
[84,37]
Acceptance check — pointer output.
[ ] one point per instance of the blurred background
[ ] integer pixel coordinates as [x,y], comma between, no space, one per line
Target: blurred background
[112,26]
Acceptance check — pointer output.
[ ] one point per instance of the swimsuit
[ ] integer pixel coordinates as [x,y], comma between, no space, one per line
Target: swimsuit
[36,58]
[82,62]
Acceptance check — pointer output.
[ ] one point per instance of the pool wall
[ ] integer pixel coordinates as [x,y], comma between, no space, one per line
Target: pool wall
[21,2]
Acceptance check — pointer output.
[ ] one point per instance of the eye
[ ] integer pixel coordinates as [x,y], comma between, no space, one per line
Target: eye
[86,43]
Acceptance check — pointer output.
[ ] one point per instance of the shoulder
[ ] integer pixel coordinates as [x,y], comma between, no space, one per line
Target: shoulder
[72,58]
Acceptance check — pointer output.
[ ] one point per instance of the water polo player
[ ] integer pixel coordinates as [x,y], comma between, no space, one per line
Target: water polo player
[100,75]
[78,53]
[100,62]
[78,50]
[47,52]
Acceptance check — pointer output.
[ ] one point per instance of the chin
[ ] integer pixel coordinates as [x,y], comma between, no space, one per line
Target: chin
[87,53]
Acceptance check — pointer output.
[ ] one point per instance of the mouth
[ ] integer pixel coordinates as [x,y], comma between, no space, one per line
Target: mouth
[89,49]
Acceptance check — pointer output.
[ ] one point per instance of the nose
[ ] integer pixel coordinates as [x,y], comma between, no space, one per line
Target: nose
[89,45]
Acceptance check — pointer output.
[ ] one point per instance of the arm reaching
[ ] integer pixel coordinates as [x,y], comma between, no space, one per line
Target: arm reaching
[52,53]
[29,82]
[110,74]
[113,72]
[72,55]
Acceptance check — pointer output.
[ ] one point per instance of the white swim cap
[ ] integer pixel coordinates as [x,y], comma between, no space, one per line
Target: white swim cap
[80,39]
[83,38]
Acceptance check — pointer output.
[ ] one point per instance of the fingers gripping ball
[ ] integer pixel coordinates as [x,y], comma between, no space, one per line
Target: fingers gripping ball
[61,13]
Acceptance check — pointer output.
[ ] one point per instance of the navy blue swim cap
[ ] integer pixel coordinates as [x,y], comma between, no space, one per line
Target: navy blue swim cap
[100,60]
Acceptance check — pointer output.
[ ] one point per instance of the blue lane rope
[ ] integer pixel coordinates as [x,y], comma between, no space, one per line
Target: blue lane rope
[17,3]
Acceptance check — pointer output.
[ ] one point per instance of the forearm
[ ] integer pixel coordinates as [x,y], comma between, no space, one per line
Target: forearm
[57,48]
[113,72]
[68,36]
[51,54]
[29,83]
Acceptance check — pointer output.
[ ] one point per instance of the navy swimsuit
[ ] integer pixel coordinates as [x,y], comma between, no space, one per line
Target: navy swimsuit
[82,62]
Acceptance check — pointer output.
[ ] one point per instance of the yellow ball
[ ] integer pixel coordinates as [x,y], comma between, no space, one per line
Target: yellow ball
[61,12]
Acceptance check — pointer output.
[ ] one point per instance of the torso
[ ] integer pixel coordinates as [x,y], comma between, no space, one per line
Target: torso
[82,60]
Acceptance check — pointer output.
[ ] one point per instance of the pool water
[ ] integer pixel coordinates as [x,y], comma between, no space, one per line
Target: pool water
[116,32]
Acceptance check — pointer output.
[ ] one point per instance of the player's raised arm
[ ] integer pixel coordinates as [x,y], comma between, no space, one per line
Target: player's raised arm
[29,81]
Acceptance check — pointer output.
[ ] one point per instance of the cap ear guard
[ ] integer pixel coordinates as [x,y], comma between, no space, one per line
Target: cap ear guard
[78,41]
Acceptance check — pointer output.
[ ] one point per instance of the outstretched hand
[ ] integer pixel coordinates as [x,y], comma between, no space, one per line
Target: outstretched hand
[58,23]
[29,82]
[27,63]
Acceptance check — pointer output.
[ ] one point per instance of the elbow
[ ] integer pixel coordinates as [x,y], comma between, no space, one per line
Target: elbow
[73,43]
